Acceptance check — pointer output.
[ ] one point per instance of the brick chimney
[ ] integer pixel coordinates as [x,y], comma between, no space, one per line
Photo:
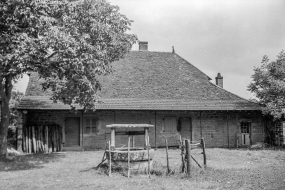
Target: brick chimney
[219,80]
[143,46]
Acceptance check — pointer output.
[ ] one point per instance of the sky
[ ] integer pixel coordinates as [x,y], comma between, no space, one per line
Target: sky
[217,36]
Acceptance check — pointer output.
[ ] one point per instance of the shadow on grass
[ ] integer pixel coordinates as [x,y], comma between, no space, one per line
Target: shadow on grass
[28,161]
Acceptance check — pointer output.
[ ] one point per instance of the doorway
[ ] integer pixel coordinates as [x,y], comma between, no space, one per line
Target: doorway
[72,131]
[186,127]
[245,133]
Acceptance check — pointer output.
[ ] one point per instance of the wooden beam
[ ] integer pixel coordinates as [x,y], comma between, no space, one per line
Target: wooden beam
[131,133]
[228,131]
[188,157]
[204,152]
[155,134]
[201,133]
[146,137]
[113,138]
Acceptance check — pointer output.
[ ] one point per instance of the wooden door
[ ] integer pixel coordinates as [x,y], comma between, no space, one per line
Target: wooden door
[72,131]
[245,133]
[186,128]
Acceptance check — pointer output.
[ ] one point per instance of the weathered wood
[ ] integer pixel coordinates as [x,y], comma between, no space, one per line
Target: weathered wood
[34,139]
[155,131]
[60,138]
[54,138]
[24,140]
[103,158]
[204,152]
[133,141]
[182,155]
[148,158]
[113,138]
[46,139]
[129,125]
[50,145]
[110,160]
[29,132]
[129,144]
[167,159]
[51,139]
[37,139]
[196,161]
[188,157]
[146,135]
[131,133]
[42,139]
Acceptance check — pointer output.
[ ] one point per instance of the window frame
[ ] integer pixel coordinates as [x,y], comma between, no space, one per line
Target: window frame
[245,127]
[91,129]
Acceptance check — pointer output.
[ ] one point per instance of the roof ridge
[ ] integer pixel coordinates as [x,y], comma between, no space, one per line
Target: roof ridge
[231,93]
[193,65]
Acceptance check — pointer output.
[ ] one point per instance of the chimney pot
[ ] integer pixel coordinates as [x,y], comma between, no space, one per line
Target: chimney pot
[219,80]
[143,46]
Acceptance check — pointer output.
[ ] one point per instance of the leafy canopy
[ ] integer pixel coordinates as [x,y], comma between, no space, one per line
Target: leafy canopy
[69,43]
[269,85]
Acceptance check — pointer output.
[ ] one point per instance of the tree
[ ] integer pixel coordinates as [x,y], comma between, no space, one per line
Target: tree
[269,85]
[69,44]
[16,97]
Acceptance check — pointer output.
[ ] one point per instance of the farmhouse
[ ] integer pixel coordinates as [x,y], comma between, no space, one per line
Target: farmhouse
[157,88]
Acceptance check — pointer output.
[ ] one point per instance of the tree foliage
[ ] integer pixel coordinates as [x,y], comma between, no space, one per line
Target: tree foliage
[16,97]
[69,43]
[269,85]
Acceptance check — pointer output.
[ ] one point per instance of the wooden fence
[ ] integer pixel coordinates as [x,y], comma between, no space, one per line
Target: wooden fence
[44,138]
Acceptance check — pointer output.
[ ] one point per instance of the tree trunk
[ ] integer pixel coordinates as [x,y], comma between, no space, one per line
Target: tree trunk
[5,92]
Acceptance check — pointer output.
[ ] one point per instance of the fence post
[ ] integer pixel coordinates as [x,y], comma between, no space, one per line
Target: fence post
[204,153]
[182,156]
[129,144]
[110,160]
[188,157]
[167,160]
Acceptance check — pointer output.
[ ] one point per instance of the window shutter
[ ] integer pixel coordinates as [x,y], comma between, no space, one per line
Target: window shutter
[88,125]
[170,124]
[93,126]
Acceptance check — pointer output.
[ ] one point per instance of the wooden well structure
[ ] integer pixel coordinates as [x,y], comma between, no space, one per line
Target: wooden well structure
[133,158]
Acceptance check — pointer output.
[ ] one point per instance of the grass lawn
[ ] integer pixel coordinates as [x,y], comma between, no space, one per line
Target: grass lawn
[226,169]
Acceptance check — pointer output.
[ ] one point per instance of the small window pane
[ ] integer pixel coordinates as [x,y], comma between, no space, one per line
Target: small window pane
[245,127]
[94,122]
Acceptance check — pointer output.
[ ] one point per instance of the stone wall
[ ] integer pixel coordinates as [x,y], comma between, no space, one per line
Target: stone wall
[220,129]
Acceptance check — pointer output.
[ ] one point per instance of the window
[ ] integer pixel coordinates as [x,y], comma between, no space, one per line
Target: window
[245,127]
[91,125]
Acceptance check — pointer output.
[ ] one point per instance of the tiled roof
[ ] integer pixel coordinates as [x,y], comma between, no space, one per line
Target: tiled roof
[45,103]
[146,80]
